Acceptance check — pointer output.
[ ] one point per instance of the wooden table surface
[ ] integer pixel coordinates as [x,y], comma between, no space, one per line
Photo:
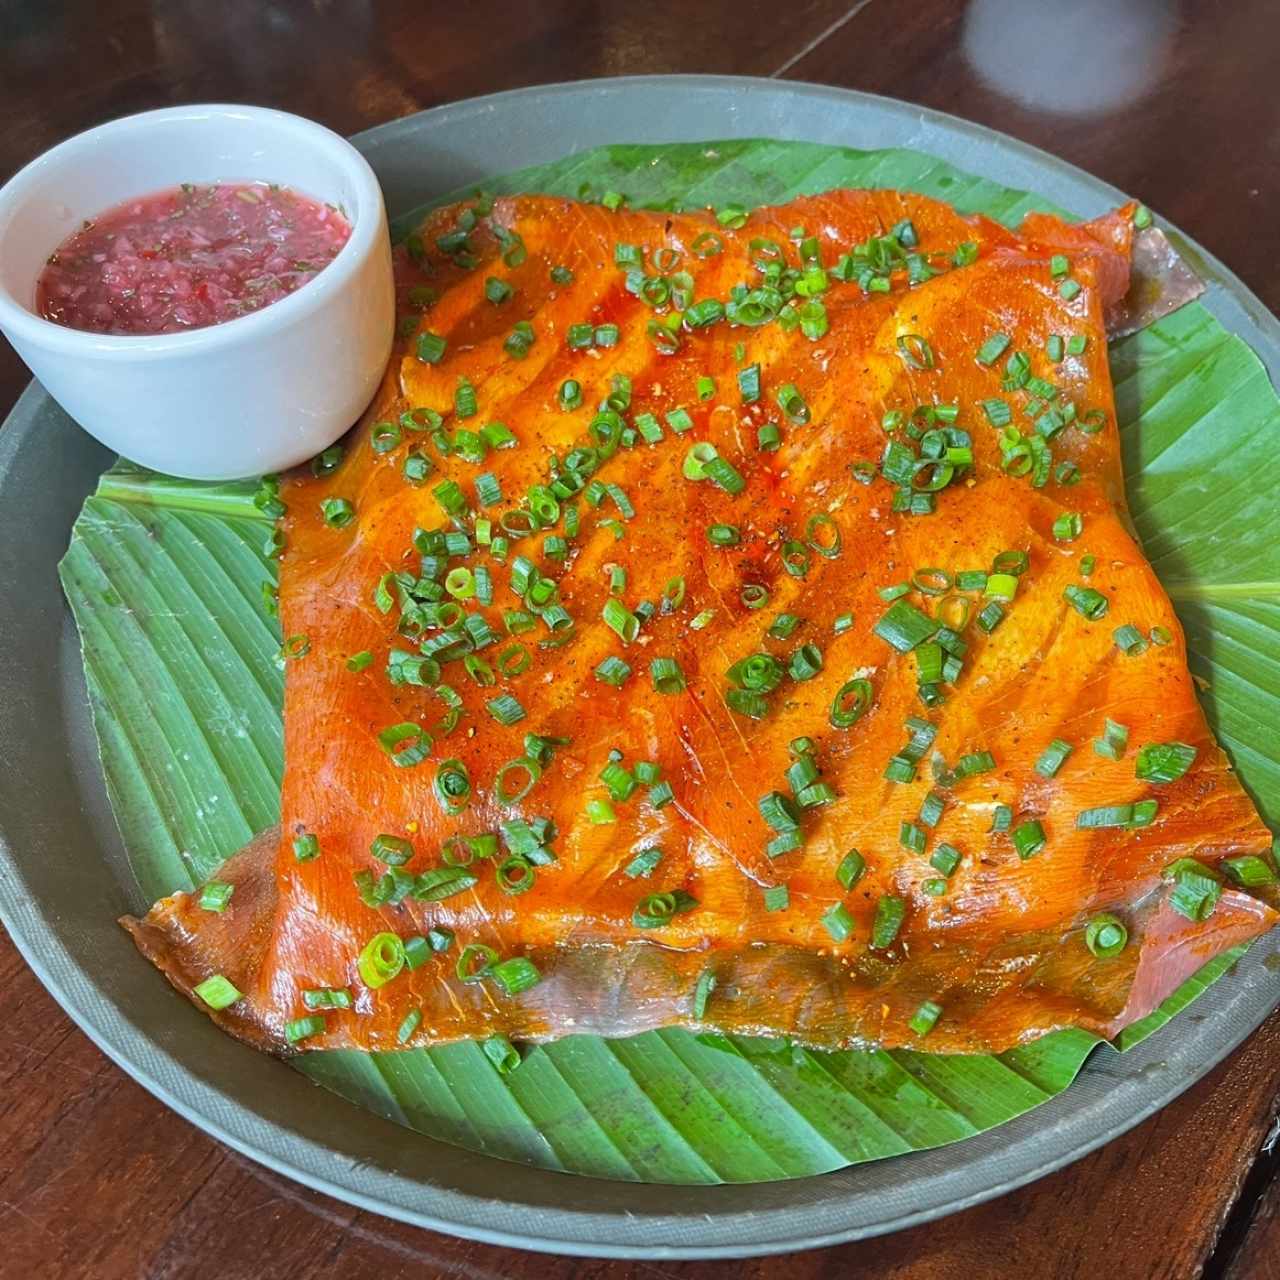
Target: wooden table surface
[1175,103]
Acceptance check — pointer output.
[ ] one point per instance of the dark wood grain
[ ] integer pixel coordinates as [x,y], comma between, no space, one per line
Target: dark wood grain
[99,1180]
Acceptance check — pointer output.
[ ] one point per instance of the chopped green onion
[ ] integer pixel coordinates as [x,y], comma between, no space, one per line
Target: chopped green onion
[381,960]
[502,1054]
[838,922]
[666,675]
[1105,935]
[1068,526]
[702,992]
[945,859]
[613,671]
[911,837]
[904,626]
[328,461]
[215,894]
[661,794]
[453,783]
[497,291]
[217,992]
[828,546]
[515,975]
[408,1026]
[337,512]
[1249,870]
[990,617]
[891,911]
[304,1028]
[1196,888]
[768,437]
[395,851]
[777,897]
[793,404]
[327,998]
[974,763]
[696,460]
[1068,290]
[407,744]
[1103,816]
[620,620]
[993,348]
[931,809]
[384,437]
[431,347]
[724,475]
[851,869]
[306,847]
[505,709]
[915,351]
[1114,740]
[1086,601]
[778,811]
[1052,758]
[805,663]
[643,864]
[1129,640]
[474,962]
[1164,762]
[1001,586]
[1028,838]
[925,1018]
[440,883]
[850,703]
[657,909]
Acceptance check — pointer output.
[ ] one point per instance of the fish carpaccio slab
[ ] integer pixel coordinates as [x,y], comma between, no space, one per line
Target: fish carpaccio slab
[939,885]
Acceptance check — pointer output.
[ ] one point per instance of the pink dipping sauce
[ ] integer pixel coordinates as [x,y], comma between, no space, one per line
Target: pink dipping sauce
[187,258]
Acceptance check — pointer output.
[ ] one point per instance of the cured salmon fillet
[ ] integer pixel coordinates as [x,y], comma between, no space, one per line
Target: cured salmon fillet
[731,623]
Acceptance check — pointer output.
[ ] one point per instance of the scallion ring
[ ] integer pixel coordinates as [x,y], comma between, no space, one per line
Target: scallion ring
[850,703]
[453,786]
[932,581]
[823,535]
[515,875]
[795,558]
[508,788]
[707,245]
[474,962]
[695,461]
[381,960]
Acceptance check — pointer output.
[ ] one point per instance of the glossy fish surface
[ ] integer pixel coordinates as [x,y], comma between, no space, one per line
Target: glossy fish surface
[731,622]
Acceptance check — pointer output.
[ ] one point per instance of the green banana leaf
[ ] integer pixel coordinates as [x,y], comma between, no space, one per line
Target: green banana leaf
[166,581]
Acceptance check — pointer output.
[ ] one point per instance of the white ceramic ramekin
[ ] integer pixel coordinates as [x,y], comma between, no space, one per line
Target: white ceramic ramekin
[259,393]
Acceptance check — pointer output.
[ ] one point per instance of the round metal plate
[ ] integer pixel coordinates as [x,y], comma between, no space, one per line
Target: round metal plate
[64,880]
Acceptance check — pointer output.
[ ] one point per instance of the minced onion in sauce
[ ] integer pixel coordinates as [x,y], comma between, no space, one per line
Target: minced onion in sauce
[188,257]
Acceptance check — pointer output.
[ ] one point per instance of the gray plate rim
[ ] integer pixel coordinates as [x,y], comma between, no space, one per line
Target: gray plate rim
[59,904]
